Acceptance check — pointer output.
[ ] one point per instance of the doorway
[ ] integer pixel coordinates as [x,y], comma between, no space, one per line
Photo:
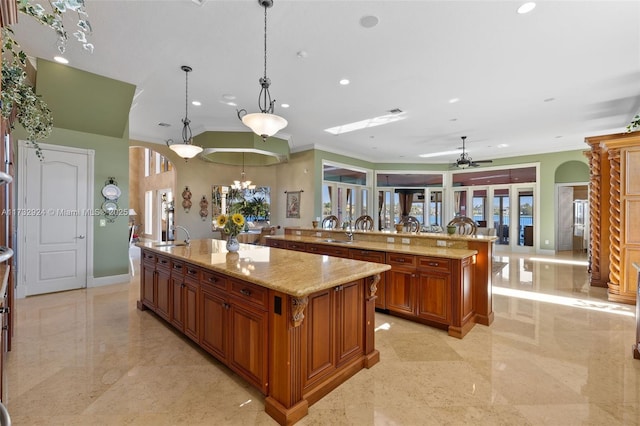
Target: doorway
[55,195]
[572,217]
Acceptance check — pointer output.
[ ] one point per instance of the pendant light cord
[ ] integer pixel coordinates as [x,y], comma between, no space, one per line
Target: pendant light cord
[265,42]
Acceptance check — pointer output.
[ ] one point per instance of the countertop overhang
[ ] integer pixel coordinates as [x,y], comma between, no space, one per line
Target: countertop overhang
[294,273]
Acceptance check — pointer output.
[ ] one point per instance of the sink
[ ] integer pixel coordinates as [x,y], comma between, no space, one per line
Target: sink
[169,244]
[329,240]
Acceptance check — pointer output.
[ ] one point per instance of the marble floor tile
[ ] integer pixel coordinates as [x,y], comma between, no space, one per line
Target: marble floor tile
[558,353]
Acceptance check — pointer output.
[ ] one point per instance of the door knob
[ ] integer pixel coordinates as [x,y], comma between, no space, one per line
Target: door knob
[80,237]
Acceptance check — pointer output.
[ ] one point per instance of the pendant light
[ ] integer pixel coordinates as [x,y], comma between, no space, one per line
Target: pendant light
[186,149]
[264,123]
[243,184]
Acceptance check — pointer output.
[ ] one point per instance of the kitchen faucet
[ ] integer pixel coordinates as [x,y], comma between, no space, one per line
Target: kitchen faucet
[187,241]
[349,230]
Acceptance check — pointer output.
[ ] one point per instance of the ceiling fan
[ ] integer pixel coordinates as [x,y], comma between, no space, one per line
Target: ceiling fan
[465,161]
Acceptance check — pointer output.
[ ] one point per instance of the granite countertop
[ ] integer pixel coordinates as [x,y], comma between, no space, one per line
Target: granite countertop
[295,273]
[394,234]
[417,250]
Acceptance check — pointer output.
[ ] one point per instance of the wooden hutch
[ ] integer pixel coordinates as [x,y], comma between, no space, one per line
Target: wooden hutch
[614,203]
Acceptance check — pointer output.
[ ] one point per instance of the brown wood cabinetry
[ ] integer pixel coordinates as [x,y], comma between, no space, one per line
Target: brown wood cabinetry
[614,207]
[434,290]
[214,327]
[401,283]
[184,310]
[334,316]
[377,257]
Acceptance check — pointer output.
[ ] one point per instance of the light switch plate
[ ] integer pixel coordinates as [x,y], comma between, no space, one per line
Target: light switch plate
[103,223]
[441,243]
[298,233]
[390,240]
[406,241]
[318,234]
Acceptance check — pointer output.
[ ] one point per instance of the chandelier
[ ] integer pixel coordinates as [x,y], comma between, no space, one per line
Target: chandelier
[243,184]
[264,123]
[186,149]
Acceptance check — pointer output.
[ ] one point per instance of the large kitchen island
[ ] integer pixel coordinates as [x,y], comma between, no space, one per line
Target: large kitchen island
[294,325]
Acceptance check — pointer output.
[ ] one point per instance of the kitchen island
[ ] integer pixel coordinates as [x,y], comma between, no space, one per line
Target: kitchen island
[294,325]
[439,280]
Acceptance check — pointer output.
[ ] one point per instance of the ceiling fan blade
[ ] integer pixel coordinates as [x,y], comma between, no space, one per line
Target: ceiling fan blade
[483,161]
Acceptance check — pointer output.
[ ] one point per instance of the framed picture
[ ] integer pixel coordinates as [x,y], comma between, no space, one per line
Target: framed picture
[293,204]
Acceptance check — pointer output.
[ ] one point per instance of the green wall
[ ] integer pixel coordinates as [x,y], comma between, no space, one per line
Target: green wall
[91,112]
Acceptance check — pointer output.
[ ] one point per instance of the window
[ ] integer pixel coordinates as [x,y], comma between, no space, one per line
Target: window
[147,162]
[148,212]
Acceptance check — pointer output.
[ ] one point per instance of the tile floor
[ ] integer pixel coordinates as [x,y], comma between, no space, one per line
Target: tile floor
[557,354]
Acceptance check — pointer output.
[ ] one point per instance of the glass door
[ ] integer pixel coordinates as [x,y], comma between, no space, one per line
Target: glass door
[525,216]
[501,213]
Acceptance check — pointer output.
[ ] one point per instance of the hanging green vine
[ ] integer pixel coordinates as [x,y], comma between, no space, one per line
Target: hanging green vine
[17,95]
[634,125]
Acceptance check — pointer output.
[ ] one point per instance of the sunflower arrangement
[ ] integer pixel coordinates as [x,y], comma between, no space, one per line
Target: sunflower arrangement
[231,224]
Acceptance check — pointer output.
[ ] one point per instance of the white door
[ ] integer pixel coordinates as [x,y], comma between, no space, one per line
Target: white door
[54,225]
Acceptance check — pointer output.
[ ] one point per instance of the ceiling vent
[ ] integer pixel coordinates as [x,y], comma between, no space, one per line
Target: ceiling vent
[395,111]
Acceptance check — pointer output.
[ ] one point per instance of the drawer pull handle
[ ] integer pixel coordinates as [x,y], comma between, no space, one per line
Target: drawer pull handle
[177,266]
[213,280]
[164,262]
[192,271]
[433,263]
[400,260]
[245,292]
[226,305]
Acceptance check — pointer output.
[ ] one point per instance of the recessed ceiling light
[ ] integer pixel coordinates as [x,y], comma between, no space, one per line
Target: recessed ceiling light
[526,7]
[61,60]
[454,100]
[453,119]
[344,81]
[502,145]
[302,54]
[369,21]
[196,103]
[228,97]
[285,105]
[549,99]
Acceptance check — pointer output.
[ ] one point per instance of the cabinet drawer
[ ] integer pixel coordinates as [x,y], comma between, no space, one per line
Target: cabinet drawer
[292,245]
[163,262]
[250,292]
[439,263]
[214,280]
[275,243]
[192,271]
[149,257]
[399,259]
[177,267]
[328,250]
[368,255]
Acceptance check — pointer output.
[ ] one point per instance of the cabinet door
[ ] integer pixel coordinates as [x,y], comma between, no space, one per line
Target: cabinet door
[213,328]
[190,309]
[163,292]
[176,314]
[147,282]
[434,300]
[248,337]
[400,290]
[349,319]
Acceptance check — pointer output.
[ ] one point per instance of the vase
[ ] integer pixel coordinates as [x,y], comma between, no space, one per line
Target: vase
[232,244]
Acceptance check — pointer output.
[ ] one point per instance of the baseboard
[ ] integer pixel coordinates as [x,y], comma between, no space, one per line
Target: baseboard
[111,279]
